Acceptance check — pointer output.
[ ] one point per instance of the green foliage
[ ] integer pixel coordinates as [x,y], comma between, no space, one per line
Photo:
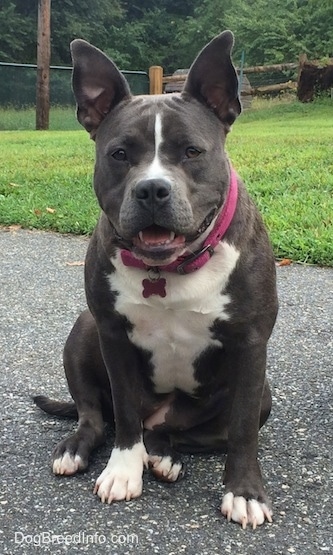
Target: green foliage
[15,32]
[171,32]
[97,22]
[265,30]
[314,27]
[208,20]
[151,40]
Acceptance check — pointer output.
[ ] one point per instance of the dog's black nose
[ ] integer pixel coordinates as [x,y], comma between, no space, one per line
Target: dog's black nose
[151,192]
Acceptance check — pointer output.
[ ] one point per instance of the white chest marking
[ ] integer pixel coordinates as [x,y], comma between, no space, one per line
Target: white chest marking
[176,328]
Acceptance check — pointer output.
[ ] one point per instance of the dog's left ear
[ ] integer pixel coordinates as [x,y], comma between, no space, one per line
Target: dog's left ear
[97,83]
[212,79]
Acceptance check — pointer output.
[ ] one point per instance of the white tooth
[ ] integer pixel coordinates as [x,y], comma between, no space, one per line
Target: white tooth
[140,235]
[172,236]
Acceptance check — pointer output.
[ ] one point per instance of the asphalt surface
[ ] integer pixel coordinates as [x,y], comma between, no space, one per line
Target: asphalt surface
[41,293]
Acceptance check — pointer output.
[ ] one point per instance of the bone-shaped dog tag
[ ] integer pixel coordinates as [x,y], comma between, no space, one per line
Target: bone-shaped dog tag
[154,285]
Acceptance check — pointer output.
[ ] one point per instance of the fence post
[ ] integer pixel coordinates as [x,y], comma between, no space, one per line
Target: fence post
[301,61]
[155,80]
[43,65]
[241,73]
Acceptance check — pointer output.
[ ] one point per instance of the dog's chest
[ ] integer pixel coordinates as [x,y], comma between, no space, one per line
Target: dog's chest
[176,329]
[175,340]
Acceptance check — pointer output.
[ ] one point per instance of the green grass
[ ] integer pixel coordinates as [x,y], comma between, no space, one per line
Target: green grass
[46,180]
[284,155]
[283,151]
[61,119]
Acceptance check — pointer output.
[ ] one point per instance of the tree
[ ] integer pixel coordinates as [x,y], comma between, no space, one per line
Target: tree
[152,40]
[314,28]
[151,34]
[141,33]
[14,32]
[208,20]
[265,30]
[96,22]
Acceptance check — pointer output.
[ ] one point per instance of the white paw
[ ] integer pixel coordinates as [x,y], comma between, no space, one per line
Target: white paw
[122,477]
[67,464]
[164,469]
[245,512]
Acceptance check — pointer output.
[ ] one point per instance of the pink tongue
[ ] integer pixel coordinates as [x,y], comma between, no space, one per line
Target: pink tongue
[155,235]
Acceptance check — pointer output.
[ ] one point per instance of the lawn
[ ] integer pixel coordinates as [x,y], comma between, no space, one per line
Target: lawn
[282,150]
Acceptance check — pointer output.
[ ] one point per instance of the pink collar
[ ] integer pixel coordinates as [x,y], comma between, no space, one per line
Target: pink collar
[191,263]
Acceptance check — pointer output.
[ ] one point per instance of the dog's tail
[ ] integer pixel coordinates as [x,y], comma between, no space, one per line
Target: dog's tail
[56,408]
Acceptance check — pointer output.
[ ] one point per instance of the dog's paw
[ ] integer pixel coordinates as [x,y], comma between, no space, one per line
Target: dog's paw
[70,456]
[122,477]
[164,468]
[244,511]
[68,464]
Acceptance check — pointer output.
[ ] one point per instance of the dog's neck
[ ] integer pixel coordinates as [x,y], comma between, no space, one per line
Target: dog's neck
[195,261]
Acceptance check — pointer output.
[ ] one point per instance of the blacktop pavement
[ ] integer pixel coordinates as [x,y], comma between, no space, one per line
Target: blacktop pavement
[41,293]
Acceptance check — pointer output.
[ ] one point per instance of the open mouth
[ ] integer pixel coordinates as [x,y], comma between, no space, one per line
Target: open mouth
[158,245]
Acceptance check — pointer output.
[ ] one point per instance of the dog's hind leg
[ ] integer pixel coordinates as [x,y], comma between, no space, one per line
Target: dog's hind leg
[164,461]
[71,455]
[90,389]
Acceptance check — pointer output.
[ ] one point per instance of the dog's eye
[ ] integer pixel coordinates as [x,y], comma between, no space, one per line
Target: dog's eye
[192,152]
[119,155]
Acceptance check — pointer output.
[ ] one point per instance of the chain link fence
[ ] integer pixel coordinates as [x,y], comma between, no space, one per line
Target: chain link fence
[18,85]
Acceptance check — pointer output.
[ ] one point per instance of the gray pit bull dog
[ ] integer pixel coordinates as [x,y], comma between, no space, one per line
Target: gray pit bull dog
[180,285]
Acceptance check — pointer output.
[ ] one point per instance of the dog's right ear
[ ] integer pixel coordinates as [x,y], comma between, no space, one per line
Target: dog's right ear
[97,84]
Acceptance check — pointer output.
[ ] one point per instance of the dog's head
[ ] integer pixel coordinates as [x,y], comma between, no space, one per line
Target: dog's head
[161,173]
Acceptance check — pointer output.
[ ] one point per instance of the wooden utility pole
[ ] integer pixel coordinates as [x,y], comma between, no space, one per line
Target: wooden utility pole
[43,64]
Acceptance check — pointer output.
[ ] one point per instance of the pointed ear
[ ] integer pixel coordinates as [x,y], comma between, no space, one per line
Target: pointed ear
[97,83]
[212,79]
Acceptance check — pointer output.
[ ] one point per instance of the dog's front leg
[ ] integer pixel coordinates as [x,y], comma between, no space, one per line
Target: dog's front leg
[122,477]
[245,500]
